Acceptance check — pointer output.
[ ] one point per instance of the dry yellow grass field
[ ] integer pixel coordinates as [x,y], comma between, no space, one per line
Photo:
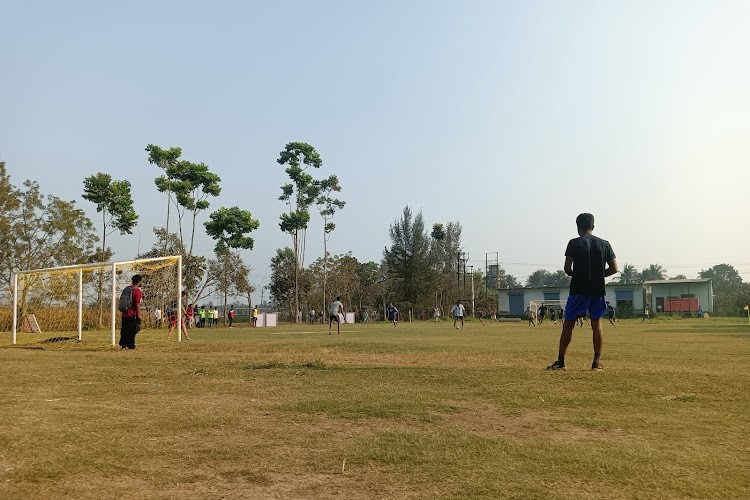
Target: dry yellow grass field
[420,411]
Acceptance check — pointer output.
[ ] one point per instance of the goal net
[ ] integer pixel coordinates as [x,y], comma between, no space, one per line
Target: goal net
[550,306]
[77,305]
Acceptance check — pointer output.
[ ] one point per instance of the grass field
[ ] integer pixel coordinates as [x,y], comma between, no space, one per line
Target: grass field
[420,411]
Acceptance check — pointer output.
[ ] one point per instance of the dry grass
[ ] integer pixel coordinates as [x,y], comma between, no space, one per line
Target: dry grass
[422,411]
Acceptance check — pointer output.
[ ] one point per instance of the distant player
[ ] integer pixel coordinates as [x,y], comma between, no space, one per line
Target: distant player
[541,313]
[493,315]
[646,315]
[438,314]
[393,314]
[588,260]
[480,314]
[333,314]
[458,313]
[553,315]
[530,315]
[611,314]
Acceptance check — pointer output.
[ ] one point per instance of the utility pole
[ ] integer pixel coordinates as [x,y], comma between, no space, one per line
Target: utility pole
[471,274]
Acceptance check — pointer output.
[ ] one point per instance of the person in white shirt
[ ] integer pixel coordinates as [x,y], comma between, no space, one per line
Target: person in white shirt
[334,310]
[458,312]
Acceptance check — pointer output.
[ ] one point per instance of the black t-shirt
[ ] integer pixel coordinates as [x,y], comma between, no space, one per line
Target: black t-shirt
[590,256]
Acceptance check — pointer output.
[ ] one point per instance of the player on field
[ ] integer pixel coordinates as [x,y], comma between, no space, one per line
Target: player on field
[458,313]
[393,315]
[530,315]
[588,260]
[541,313]
[611,314]
[334,310]
[646,315]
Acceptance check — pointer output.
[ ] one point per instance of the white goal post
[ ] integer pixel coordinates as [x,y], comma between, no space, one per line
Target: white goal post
[44,300]
[550,304]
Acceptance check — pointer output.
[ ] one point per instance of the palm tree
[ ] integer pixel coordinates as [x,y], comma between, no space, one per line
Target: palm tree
[654,272]
[629,275]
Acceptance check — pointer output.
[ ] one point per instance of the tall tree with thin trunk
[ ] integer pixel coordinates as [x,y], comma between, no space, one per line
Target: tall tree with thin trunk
[327,207]
[164,159]
[114,202]
[298,194]
[230,228]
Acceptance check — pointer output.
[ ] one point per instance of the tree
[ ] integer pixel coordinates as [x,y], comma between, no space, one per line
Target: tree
[299,195]
[195,280]
[724,278]
[445,246]
[654,272]
[511,281]
[114,202]
[558,279]
[40,231]
[229,227]
[327,207]
[190,184]
[679,277]
[630,275]
[538,278]
[407,261]
[231,276]
[732,301]
[243,287]
[165,159]
[283,285]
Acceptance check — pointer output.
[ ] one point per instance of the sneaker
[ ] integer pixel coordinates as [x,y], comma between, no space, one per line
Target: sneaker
[556,366]
[597,367]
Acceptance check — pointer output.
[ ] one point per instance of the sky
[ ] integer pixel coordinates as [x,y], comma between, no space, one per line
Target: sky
[508,117]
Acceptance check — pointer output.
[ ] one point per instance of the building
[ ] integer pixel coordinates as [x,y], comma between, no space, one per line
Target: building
[677,296]
[672,295]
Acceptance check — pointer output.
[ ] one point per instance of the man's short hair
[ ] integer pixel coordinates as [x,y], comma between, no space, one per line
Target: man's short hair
[585,222]
[338,298]
[137,279]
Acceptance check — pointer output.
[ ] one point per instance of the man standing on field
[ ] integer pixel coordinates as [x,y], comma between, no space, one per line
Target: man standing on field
[333,314]
[588,260]
[131,318]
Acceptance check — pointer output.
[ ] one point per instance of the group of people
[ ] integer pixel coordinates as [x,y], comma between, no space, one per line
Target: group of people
[588,261]
[132,317]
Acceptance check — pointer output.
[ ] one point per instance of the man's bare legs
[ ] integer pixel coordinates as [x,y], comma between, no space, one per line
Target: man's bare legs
[567,335]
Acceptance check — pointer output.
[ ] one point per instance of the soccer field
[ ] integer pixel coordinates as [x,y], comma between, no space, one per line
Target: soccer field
[420,411]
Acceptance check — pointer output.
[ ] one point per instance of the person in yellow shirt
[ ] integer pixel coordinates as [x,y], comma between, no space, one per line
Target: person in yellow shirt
[255,316]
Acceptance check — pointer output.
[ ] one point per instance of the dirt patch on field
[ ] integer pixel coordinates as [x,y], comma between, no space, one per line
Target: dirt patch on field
[490,421]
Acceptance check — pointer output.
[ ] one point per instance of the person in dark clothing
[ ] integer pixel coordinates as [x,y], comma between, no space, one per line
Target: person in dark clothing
[131,318]
[588,260]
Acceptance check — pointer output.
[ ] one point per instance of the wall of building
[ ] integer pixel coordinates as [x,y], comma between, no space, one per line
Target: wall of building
[703,291]
[510,301]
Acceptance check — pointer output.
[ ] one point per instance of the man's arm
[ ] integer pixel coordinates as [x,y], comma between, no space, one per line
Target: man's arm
[568,265]
[611,267]
[138,308]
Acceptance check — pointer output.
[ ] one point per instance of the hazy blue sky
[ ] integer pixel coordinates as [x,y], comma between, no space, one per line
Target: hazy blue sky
[509,117]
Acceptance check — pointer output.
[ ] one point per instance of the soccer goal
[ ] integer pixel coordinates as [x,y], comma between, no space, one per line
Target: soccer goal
[550,305]
[55,306]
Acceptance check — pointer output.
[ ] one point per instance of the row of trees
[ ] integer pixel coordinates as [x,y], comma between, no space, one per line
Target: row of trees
[45,231]
[418,270]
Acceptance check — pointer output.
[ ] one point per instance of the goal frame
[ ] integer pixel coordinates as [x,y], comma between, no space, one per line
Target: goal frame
[114,297]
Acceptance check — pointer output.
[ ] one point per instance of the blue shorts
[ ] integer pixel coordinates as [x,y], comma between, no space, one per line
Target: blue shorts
[578,305]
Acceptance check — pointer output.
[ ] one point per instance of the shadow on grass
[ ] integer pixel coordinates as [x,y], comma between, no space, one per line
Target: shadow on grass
[277,364]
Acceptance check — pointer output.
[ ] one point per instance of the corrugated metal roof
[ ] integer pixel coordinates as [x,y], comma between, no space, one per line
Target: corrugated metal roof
[672,282]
